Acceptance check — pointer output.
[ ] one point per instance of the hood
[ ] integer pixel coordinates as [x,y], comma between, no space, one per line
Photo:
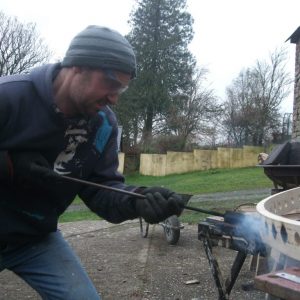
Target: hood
[42,79]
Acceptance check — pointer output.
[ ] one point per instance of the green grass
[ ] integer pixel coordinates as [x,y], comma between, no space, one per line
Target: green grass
[202,182]
[211,181]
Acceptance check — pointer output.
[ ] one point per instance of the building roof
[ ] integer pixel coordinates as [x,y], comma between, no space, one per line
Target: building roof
[295,36]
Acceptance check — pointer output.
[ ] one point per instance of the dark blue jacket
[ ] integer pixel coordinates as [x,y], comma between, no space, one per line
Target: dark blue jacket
[77,147]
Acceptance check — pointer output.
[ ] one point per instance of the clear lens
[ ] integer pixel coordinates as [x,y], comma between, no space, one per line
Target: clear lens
[114,84]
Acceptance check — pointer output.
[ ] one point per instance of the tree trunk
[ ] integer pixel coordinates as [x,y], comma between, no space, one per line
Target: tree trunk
[148,125]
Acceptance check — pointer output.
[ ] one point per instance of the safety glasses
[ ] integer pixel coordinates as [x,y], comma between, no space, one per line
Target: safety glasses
[113,83]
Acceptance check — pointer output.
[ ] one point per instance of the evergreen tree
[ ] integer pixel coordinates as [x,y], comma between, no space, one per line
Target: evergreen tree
[161,32]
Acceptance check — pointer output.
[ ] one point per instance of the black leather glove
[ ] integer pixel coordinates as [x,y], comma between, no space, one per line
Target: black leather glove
[29,167]
[160,203]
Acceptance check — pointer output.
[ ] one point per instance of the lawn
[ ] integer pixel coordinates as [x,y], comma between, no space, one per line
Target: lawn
[211,181]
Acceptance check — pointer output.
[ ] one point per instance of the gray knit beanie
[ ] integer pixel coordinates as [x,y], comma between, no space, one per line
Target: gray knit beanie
[101,47]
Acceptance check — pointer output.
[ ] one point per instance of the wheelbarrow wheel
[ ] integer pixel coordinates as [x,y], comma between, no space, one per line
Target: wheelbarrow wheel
[172,230]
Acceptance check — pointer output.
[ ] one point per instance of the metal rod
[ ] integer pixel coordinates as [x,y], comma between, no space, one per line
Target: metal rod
[102,186]
[209,212]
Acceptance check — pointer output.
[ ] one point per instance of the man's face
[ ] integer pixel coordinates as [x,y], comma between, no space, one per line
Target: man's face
[90,90]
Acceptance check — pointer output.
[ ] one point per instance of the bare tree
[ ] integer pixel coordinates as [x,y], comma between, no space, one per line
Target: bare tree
[254,98]
[21,47]
[190,115]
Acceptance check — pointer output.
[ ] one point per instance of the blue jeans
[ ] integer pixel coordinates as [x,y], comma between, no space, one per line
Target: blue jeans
[51,268]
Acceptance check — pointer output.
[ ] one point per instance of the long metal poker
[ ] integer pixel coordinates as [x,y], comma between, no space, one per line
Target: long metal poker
[102,186]
[209,212]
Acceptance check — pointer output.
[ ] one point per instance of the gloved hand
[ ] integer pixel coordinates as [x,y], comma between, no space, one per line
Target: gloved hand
[29,167]
[160,203]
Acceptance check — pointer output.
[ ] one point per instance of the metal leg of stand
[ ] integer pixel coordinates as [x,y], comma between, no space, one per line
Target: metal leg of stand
[215,269]
[235,270]
[224,288]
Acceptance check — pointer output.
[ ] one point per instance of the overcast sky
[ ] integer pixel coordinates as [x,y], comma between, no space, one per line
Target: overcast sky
[229,34]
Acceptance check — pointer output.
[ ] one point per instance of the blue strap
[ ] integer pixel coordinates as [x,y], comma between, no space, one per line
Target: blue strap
[103,134]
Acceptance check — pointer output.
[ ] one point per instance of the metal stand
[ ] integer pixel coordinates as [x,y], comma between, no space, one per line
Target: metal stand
[215,232]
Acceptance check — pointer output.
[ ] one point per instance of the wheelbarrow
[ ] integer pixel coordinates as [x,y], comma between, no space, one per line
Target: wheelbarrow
[171,226]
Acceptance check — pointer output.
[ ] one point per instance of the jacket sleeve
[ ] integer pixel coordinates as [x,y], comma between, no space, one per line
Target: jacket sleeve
[114,207]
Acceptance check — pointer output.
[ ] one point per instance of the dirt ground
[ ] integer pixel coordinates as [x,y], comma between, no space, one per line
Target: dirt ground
[123,265]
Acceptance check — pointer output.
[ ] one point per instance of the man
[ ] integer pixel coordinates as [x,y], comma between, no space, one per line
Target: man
[56,121]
